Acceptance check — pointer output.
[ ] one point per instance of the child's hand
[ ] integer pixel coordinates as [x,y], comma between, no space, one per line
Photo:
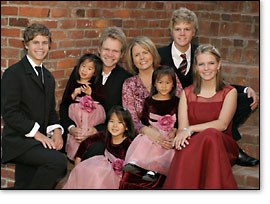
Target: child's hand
[77,160]
[76,92]
[76,132]
[86,89]
[172,133]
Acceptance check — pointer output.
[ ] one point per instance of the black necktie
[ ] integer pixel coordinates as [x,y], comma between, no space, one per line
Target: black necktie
[183,65]
[40,74]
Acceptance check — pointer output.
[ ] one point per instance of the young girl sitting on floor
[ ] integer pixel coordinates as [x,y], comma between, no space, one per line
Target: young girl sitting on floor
[104,171]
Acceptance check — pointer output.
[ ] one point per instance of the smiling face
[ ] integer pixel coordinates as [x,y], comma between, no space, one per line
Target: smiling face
[87,70]
[38,48]
[142,58]
[116,127]
[183,33]
[207,66]
[110,52]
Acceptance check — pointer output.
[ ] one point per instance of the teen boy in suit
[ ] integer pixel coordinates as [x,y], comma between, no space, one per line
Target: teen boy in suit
[32,134]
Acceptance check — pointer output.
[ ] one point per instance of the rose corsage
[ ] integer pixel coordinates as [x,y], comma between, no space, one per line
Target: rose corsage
[87,103]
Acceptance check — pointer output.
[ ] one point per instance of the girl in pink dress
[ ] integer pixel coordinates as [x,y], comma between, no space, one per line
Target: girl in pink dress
[104,171]
[142,59]
[205,148]
[81,97]
[159,112]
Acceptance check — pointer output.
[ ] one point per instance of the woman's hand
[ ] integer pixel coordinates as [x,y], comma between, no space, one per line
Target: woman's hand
[181,139]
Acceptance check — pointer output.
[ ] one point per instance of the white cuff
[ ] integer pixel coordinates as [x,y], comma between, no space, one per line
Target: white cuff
[33,131]
[245,90]
[71,126]
[52,127]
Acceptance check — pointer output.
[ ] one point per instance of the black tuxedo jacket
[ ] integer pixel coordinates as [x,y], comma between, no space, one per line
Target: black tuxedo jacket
[25,101]
[166,59]
[186,80]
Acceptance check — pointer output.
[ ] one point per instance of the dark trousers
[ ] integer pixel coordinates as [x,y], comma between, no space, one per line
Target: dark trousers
[242,113]
[39,168]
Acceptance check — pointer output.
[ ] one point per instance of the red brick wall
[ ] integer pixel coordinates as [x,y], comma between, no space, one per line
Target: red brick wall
[232,26]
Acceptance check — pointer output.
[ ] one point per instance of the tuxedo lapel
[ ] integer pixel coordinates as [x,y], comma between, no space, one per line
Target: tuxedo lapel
[30,71]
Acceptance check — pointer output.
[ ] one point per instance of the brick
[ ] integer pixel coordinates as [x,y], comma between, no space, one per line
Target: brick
[67,62]
[15,43]
[101,23]
[9,10]
[57,54]
[58,35]
[84,23]
[59,12]
[34,12]
[67,24]
[10,32]
[21,22]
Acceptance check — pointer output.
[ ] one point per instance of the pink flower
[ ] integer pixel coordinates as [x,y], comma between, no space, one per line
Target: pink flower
[117,166]
[166,122]
[87,103]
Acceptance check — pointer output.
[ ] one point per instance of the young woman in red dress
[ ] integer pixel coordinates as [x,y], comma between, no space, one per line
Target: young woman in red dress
[204,143]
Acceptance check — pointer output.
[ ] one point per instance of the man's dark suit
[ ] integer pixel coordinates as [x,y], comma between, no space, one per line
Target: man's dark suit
[24,102]
[243,103]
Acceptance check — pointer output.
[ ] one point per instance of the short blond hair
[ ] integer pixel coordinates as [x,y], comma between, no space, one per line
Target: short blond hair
[114,33]
[184,15]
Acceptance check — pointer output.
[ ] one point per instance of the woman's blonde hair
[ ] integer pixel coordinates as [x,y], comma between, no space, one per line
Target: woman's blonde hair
[147,44]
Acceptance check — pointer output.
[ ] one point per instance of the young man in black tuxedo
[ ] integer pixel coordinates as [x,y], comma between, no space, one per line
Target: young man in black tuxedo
[32,134]
[180,54]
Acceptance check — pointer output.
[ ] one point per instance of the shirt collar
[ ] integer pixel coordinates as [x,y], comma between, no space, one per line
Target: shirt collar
[176,53]
[33,64]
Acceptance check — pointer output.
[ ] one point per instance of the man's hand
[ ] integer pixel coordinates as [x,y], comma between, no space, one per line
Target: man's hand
[251,93]
[45,141]
[58,139]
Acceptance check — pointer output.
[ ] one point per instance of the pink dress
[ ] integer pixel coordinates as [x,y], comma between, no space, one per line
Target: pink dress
[84,120]
[102,171]
[142,151]
[133,95]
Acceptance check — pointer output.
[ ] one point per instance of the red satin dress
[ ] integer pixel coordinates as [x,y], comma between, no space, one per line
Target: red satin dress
[206,162]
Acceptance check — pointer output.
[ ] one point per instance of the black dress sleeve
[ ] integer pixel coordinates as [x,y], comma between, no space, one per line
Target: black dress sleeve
[87,143]
[145,113]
